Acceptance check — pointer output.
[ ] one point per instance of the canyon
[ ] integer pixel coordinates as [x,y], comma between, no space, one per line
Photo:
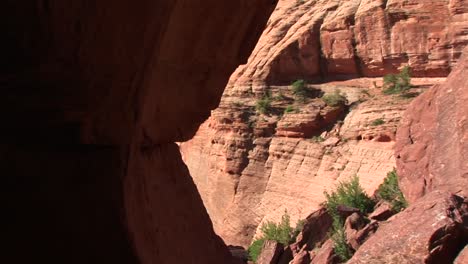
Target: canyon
[132,135]
[252,167]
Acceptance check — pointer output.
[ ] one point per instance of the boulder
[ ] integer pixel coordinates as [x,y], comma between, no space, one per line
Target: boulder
[432,230]
[271,252]
[382,212]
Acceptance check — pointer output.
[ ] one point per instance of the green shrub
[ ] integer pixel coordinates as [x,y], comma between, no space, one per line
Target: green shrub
[281,232]
[289,109]
[263,105]
[255,249]
[299,90]
[378,122]
[349,194]
[340,245]
[398,83]
[334,99]
[390,191]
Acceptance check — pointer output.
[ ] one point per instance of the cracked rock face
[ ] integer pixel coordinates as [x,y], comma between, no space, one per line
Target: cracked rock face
[432,230]
[431,141]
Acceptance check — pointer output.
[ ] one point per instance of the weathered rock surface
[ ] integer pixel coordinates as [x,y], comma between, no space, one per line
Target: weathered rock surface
[356,240]
[315,229]
[271,252]
[432,230]
[329,38]
[432,149]
[325,254]
[382,212]
[94,94]
[432,152]
[250,168]
[462,257]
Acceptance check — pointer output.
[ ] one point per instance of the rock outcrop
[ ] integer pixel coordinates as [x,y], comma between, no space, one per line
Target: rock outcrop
[94,95]
[432,152]
[338,38]
[432,230]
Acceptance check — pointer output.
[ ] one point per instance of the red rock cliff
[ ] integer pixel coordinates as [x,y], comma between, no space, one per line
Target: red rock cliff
[432,150]
[250,167]
[94,93]
[431,154]
[333,38]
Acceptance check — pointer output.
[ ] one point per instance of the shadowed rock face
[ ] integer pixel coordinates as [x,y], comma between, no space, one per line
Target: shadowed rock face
[93,96]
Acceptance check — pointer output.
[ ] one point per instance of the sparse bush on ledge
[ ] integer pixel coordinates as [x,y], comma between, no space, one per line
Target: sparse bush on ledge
[263,105]
[349,193]
[378,122]
[397,83]
[390,191]
[334,99]
[300,90]
[281,232]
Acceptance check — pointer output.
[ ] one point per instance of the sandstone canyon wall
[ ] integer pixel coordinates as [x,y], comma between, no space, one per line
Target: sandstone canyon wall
[94,95]
[432,151]
[251,167]
[331,38]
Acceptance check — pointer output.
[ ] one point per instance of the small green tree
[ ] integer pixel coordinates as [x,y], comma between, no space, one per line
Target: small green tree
[350,194]
[281,232]
[255,249]
[390,191]
[398,83]
[300,90]
[340,244]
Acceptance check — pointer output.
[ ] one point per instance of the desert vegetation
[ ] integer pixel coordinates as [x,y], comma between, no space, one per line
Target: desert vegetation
[398,83]
[378,122]
[299,90]
[281,232]
[390,192]
[351,194]
[334,99]
[264,105]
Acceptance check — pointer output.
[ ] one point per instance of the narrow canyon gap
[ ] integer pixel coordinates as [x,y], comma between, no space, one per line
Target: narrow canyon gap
[94,95]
